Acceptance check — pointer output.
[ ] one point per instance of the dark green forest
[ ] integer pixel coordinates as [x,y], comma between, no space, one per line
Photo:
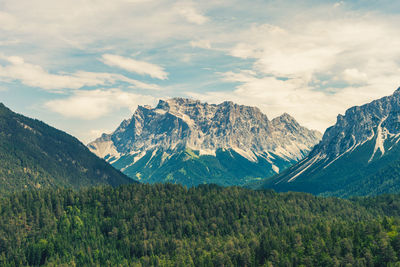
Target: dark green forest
[208,225]
[36,155]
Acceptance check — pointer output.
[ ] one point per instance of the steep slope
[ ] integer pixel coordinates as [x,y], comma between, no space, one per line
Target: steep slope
[189,142]
[359,155]
[35,155]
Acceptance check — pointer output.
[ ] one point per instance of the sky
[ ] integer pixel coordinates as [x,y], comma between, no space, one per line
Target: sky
[84,66]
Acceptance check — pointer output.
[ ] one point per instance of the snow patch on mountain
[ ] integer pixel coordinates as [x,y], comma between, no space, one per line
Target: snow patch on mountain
[275,168]
[210,152]
[378,121]
[292,151]
[178,123]
[307,165]
[248,154]
[381,135]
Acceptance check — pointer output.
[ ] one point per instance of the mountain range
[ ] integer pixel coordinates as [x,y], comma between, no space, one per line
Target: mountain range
[36,155]
[208,225]
[189,142]
[359,155]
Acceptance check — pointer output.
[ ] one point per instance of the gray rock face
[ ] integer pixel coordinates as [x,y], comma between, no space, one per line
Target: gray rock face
[380,119]
[361,142]
[204,127]
[180,123]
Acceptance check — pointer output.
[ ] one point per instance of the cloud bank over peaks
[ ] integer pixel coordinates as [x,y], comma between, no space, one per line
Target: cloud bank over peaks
[315,68]
[312,59]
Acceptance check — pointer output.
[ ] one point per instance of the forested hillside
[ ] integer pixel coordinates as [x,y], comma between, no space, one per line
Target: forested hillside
[35,155]
[169,225]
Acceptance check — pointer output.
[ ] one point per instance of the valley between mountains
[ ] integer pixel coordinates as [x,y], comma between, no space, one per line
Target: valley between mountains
[188,183]
[184,133]
[188,142]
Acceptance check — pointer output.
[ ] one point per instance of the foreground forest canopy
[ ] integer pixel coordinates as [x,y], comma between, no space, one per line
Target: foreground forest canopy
[170,225]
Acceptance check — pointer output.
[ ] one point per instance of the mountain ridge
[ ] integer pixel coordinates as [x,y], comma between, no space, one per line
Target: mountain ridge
[177,124]
[360,143]
[36,155]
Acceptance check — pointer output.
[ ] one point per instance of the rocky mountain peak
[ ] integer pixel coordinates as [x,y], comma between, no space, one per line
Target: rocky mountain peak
[175,103]
[360,124]
[378,122]
[285,118]
[348,159]
[207,127]
[181,123]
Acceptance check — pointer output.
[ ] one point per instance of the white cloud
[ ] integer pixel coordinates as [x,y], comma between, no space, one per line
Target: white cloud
[190,13]
[243,50]
[35,76]
[354,76]
[315,69]
[80,24]
[206,44]
[310,59]
[9,42]
[306,48]
[286,52]
[93,104]
[132,65]
[338,4]
[7,21]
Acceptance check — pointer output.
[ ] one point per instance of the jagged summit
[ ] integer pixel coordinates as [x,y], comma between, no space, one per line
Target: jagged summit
[177,124]
[361,138]
[285,118]
[359,124]
[179,100]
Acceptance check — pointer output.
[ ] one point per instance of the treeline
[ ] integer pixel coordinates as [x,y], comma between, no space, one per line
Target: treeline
[170,225]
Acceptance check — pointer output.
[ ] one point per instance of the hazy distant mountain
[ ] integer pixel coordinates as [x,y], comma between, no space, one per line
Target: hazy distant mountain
[359,155]
[35,155]
[189,142]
